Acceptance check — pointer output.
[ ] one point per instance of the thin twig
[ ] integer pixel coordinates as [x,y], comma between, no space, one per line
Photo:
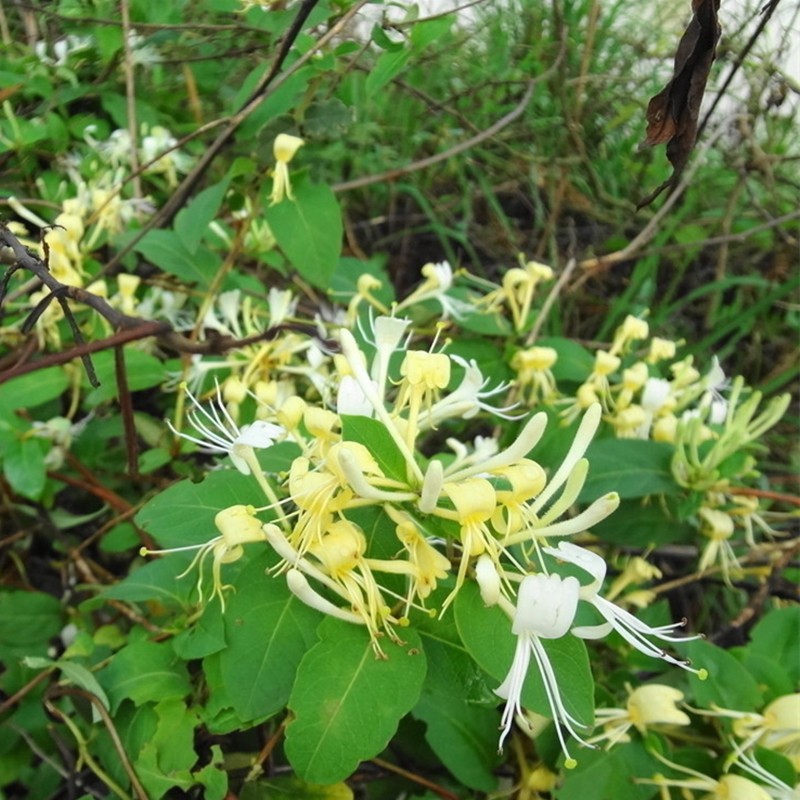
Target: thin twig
[550,300]
[126,407]
[649,231]
[397,172]
[128,68]
[767,13]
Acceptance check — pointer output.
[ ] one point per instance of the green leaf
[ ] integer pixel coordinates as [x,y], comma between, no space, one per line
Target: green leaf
[630,467]
[144,671]
[288,786]
[268,631]
[142,370]
[28,619]
[24,468]
[777,637]
[486,633]
[374,436]
[637,523]
[346,702]
[575,363]
[32,390]
[611,774]
[388,66]
[156,580]
[729,684]
[135,726]
[205,637]
[192,221]
[309,231]
[184,513]
[167,251]
[327,119]
[213,777]
[80,676]
[463,735]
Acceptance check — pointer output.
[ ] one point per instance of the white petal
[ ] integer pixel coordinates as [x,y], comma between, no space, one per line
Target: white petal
[258,434]
[546,605]
[591,562]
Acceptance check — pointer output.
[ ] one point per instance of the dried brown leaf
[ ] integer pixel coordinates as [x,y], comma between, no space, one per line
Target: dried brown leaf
[672,114]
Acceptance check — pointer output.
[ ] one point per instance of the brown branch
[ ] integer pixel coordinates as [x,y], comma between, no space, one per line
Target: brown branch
[130,328]
[126,407]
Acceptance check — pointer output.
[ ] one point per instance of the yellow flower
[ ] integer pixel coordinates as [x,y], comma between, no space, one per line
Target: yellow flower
[648,706]
[777,727]
[475,502]
[238,526]
[284,149]
[525,479]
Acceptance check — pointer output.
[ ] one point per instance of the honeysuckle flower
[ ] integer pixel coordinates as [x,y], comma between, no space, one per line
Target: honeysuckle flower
[488,579]
[777,727]
[388,333]
[159,146]
[61,432]
[637,570]
[525,479]
[660,350]
[360,471]
[632,630]
[237,526]
[221,435]
[546,607]
[125,299]
[300,587]
[432,485]
[727,787]
[438,280]
[718,527]
[534,373]
[648,706]
[62,49]
[284,149]
[775,787]
[630,422]
[525,442]
[350,399]
[424,565]
[341,550]
[468,398]
[519,286]
[632,329]
[474,500]
[356,363]
[665,429]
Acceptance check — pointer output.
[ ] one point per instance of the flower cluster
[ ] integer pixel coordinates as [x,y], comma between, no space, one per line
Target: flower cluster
[483,510]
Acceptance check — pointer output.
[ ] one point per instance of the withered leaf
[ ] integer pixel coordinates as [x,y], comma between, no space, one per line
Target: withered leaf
[672,115]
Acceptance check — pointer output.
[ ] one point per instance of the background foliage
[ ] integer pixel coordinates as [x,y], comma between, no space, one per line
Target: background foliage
[470,137]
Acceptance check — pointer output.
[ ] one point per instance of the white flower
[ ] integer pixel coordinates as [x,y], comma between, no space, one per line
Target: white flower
[468,398]
[222,435]
[282,305]
[633,630]
[438,280]
[237,526]
[546,607]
